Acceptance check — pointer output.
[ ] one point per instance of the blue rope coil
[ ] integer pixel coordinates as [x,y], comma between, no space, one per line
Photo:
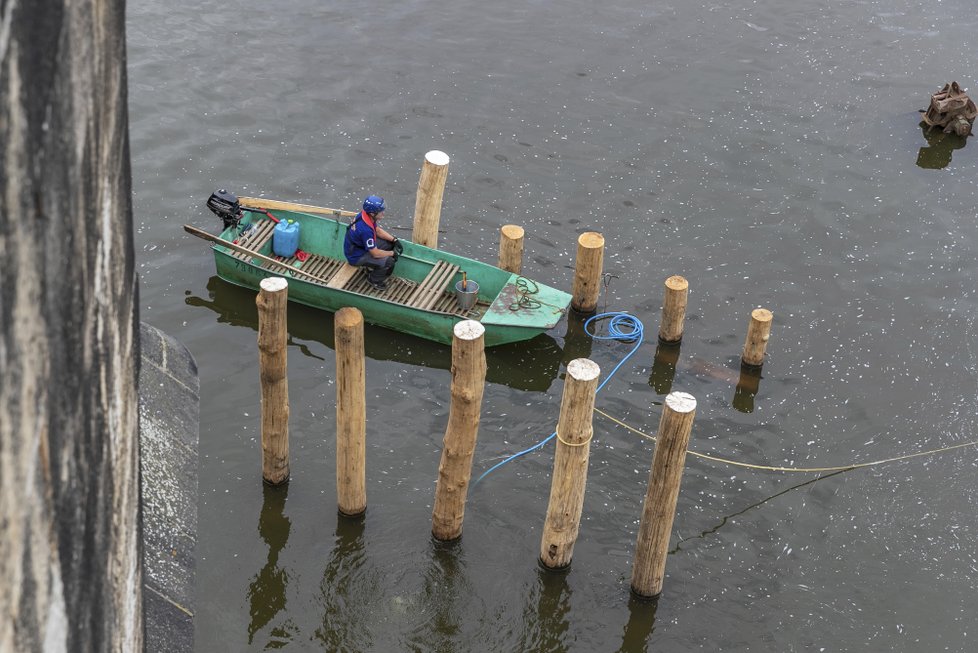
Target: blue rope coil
[623,327]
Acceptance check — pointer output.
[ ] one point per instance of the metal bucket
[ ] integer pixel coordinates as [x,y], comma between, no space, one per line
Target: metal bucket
[466,298]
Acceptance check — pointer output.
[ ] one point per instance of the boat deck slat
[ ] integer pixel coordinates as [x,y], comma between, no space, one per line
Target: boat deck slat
[318,267]
[433,287]
[256,239]
[396,286]
[447,303]
[400,294]
[325,267]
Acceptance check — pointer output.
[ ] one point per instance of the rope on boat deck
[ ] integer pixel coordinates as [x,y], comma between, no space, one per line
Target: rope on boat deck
[524,288]
[625,327]
[523,294]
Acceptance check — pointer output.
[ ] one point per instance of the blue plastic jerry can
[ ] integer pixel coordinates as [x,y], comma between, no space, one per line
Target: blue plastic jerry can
[285,239]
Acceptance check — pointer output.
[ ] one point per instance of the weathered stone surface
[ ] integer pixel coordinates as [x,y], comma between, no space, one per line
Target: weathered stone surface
[70,569]
[169,402]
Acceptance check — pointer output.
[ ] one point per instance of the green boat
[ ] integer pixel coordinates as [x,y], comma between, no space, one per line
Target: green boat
[429,292]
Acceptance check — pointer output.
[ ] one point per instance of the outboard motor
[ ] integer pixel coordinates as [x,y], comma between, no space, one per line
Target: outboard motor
[226,206]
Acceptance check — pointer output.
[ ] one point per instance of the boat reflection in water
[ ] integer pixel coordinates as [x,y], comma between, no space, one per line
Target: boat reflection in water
[528,365]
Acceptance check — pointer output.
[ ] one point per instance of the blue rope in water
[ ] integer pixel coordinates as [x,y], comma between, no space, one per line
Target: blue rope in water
[621,326]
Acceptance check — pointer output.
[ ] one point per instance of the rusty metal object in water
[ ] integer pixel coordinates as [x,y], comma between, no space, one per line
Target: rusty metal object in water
[952,110]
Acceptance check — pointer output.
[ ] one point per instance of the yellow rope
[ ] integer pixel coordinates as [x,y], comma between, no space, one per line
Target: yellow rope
[575,444]
[839,468]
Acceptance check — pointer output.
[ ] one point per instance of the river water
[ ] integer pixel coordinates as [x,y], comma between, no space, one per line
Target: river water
[767,151]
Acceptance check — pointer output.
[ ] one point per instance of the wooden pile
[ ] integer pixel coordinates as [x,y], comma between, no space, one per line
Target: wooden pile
[952,110]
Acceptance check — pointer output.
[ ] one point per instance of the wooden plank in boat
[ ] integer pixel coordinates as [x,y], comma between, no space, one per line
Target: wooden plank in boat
[342,276]
[256,239]
[438,286]
[433,286]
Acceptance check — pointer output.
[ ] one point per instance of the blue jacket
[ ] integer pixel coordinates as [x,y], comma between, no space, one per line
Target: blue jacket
[360,237]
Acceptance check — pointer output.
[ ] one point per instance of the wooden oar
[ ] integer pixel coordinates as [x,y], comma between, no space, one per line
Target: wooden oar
[244,250]
[259,203]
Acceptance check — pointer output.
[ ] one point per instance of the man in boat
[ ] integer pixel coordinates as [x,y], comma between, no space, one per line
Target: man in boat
[370,246]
